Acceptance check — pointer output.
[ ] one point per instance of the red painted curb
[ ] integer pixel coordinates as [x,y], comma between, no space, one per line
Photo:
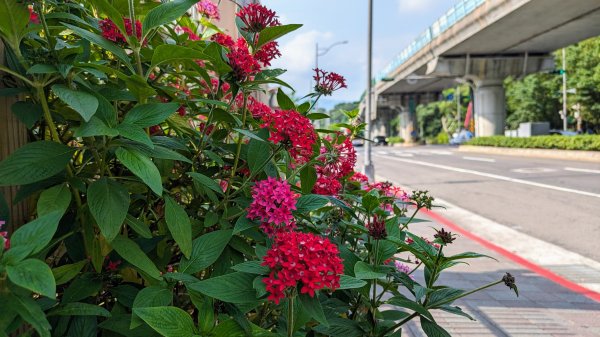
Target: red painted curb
[516,258]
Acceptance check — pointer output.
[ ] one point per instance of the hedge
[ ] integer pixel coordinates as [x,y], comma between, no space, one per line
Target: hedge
[582,142]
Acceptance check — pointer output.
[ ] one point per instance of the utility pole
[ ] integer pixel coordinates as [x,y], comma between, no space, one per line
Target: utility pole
[368,168]
[564,78]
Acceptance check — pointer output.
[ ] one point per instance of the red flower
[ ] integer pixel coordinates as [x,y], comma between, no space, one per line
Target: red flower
[267,53]
[33,16]
[112,265]
[338,161]
[241,61]
[223,39]
[258,109]
[359,177]
[327,186]
[112,33]
[4,236]
[294,131]
[257,17]
[328,82]
[273,203]
[191,35]
[208,9]
[301,259]
[377,228]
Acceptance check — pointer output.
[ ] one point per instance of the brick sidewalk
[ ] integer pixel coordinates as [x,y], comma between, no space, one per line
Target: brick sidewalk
[543,307]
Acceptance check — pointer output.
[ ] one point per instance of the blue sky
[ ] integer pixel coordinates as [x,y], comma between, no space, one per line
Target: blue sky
[395,24]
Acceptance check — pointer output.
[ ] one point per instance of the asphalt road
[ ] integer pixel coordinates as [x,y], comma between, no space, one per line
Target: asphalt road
[557,201]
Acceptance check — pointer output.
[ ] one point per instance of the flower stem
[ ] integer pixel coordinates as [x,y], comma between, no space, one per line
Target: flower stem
[290,316]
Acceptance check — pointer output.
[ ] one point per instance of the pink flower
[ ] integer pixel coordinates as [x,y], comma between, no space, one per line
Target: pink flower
[4,236]
[112,33]
[112,265]
[223,39]
[186,30]
[327,83]
[338,161]
[301,259]
[401,267]
[208,9]
[327,186]
[267,53]
[241,61]
[273,203]
[258,109]
[359,177]
[33,16]
[257,17]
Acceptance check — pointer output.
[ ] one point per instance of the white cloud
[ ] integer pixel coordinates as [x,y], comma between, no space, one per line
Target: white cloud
[416,6]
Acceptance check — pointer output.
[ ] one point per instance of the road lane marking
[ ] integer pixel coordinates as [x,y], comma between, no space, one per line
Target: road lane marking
[532,170]
[488,160]
[581,170]
[443,153]
[494,176]
[402,154]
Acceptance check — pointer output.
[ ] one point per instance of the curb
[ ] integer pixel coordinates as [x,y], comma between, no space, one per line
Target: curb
[589,156]
[516,258]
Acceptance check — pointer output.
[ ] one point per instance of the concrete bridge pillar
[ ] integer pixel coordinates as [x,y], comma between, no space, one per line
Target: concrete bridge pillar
[490,107]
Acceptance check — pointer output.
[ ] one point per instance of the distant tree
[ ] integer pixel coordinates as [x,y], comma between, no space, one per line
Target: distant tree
[439,116]
[336,113]
[535,98]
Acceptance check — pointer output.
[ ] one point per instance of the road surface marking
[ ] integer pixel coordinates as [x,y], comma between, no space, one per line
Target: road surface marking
[581,170]
[488,160]
[383,152]
[402,154]
[443,153]
[534,170]
[495,176]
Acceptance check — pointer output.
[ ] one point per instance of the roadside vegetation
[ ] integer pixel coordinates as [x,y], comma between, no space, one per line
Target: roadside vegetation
[582,142]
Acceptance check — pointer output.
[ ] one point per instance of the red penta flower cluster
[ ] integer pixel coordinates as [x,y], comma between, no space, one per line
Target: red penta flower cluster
[389,190]
[273,203]
[4,236]
[327,83]
[301,259]
[190,33]
[327,186]
[359,177]
[223,39]
[267,53]
[258,109]
[33,16]
[241,61]
[257,17]
[208,9]
[338,161]
[294,131]
[377,228]
[112,33]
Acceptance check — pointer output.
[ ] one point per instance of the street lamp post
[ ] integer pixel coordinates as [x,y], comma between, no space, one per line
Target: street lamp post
[368,168]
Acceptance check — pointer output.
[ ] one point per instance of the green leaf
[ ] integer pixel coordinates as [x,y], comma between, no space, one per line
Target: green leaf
[456,311]
[313,308]
[108,202]
[349,282]
[250,134]
[135,133]
[205,251]
[165,13]
[214,51]
[401,301]
[82,102]
[243,223]
[431,329]
[164,153]
[206,182]
[34,162]
[169,52]
[233,288]
[79,309]
[251,267]
[83,286]
[34,275]
[56,198]
[150,297]
[35,235]
[441,295]
[27,112]
[317,116]
[308,178]
[95,127]
[179,225]
[29,310]
[365,271]
[67,272]
[146,115]
[142,167]
[284,101]
[167,321]
[310,202]
[259,153]
[102,42]
[133,254]
[14,18]
[370,202]
[138,226]
[272,33]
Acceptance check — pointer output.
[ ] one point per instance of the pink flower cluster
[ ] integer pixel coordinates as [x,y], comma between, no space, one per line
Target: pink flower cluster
[267,53]
[4,235]
[338,162]
[112,33]
[241,61]
[327,83]
[208,9]
[190,33]
[294,131]
[273,203]
[302,259]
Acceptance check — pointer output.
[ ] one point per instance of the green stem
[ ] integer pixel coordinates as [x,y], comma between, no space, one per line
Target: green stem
[239,141]
[17,75]
[399,324]
[405,226]
[452,299]
[290,316]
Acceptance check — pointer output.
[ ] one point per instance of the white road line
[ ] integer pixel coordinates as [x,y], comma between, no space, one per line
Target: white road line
[489,160]
[443,153]
[581,170]
[402,154]
[495,176]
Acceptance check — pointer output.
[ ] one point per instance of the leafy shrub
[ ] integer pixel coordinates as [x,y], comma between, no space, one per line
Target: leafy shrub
[581,142]
[442,138]
[171,202]
[395,140]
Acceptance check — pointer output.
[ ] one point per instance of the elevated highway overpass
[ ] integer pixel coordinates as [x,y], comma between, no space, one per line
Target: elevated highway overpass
[480,42]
